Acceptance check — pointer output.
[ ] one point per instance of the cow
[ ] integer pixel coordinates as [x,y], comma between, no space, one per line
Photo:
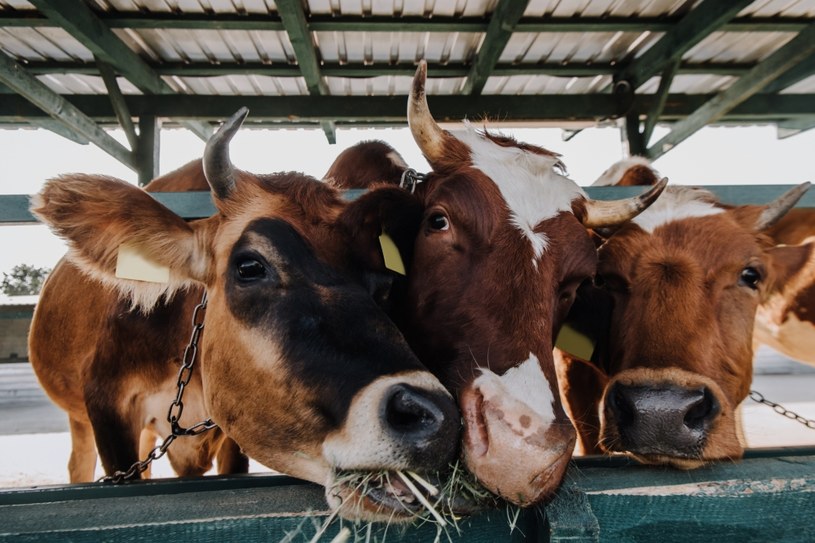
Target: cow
[494,244]
[297,363]
[671,312]
[785,321]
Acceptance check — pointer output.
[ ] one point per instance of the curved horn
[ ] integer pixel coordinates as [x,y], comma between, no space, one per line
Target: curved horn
[779,207]
[429,136]
[600,214]
[218,168]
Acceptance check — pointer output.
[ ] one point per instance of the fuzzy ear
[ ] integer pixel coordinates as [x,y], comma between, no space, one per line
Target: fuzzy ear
[793,268]
[97,214]
[385,209]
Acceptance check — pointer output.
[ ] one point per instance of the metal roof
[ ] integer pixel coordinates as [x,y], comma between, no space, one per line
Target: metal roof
[334,63]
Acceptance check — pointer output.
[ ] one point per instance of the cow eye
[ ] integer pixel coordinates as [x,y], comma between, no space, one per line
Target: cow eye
[438,221]
[750,277]
[250,269]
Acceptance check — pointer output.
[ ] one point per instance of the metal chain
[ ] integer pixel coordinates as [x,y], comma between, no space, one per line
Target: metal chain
[177,406]
[411,178]
[781,410]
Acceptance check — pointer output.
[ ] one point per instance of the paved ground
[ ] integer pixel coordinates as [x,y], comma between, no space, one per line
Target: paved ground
[35,444]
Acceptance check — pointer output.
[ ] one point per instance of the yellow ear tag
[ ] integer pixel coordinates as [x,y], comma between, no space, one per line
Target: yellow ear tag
[132,264]
[393,260]
[575,343]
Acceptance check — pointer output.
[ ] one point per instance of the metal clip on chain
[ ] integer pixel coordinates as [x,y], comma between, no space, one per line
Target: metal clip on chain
[781,410]
[411,178]
[177,406]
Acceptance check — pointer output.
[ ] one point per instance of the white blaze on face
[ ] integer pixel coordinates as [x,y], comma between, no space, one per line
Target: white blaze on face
[677,203]
[522,391]
[529,183]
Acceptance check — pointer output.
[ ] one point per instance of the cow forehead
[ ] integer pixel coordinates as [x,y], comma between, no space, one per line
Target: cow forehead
[677,203]
[529,183]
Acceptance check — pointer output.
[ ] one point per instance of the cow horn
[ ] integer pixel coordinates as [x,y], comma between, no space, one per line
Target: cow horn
[600,214]
[429,136]
[218,168]
[779,207]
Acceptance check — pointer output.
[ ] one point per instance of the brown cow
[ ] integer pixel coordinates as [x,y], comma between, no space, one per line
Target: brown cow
[495,245]
[298,364]
[672,313]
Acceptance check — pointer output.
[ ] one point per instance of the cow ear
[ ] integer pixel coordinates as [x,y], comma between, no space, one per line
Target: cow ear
[388,210]
[98,215]
[793,268]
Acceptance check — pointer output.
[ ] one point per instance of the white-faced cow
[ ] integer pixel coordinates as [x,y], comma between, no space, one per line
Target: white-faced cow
[297,362]
[495,244]
[672,311]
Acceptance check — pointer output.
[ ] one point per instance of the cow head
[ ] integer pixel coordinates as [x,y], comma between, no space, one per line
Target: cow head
[681,284]
[299,365]
[495,245]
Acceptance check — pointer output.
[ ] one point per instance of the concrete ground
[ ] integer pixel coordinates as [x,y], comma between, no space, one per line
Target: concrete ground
[35,444]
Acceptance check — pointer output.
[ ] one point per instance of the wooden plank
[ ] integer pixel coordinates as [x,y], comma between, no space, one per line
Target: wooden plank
[148,149]
[195,205]
[294,21]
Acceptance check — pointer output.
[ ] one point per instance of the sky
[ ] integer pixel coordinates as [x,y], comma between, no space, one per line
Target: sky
[712,156]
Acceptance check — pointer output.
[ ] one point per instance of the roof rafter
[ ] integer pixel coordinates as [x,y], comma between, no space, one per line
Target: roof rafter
[350,23]
[708,16]
[75,17]
[294,21]
[15,77]
[506,15]
[795,51]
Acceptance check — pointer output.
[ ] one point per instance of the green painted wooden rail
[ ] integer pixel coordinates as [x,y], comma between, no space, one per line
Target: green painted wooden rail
[192,205]
[768,496]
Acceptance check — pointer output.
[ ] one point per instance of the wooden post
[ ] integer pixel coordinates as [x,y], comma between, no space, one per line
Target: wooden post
[148,149]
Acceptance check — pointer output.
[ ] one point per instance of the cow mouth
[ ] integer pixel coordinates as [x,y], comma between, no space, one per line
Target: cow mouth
[404,496]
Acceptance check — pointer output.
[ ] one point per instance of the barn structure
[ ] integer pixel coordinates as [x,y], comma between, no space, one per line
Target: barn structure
[81,67]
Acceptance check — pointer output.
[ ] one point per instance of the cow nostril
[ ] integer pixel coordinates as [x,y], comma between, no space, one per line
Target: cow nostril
[621,405]
[702,411]
[408,411]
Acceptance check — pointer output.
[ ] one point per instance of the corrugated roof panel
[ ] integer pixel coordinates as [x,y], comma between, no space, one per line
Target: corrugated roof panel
[393,47]
[83,84]
[737,46]
[544,84]
[251,85]
[42,44]
[17,4]
[390,86]
[574,46]
[188,6]
[784,8]
[173,45]
[403,8]
[691,84]
[604,8]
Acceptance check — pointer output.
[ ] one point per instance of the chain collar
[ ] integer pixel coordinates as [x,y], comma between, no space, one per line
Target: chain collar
[411,178]
[758,397]
[177,406]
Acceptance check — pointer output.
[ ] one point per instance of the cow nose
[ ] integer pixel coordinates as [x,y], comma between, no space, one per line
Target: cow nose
[667,419]
[426,422]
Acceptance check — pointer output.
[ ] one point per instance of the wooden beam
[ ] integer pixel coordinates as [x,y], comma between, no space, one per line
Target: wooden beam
[294,21]
[148,148]
[708,16]
[788,129]
[800,72]
[330,129]
[375,23]
[15,77]
[60,129]
[655,112]
[633,136]
[506,15]
[390,110]
[117,101]
[776,64]
[76,18]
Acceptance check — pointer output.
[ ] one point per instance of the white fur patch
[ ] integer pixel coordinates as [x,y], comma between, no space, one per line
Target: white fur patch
[530,184]
[677,203]
[524,384]
[615,172]
[397,160]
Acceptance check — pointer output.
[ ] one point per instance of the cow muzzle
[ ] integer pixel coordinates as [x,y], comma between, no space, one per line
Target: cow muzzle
[514,449]
[667,417]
